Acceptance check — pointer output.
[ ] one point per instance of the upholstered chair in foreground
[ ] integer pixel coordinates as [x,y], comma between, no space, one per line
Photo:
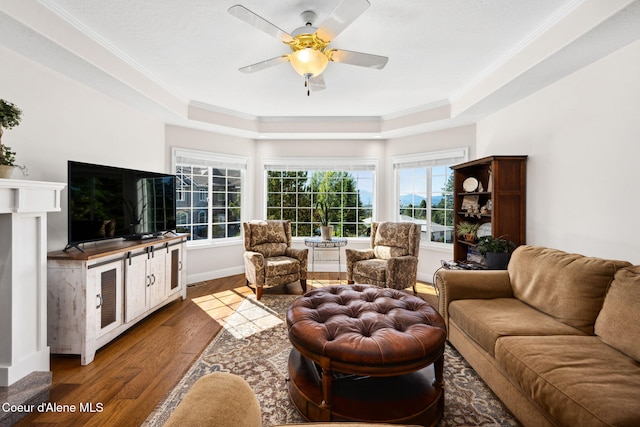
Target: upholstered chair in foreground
[392,261]
[269,259]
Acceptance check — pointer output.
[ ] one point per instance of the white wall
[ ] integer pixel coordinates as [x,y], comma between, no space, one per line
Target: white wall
[64,120]
[581,135]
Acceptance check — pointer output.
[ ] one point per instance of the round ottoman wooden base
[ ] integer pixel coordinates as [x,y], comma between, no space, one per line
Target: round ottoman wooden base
[402,399]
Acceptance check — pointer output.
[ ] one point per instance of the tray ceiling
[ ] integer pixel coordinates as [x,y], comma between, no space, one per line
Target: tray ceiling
[449,60]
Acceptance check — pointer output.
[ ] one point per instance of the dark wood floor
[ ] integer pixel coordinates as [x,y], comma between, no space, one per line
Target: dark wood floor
[135,372]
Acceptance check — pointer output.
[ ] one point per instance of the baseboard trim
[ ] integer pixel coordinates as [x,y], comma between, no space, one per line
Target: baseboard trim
[214,274]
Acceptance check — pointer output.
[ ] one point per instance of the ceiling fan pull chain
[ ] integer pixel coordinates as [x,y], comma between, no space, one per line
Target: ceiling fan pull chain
[306,84]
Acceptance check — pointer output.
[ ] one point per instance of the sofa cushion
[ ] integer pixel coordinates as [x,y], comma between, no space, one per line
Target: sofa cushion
[487,320]
[579,380]
[569,287]
[618,323]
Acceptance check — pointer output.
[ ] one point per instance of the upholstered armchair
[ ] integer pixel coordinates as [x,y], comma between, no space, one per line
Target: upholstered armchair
[269,259]
[392,261]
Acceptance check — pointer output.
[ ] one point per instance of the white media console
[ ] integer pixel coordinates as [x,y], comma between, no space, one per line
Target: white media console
[96,295]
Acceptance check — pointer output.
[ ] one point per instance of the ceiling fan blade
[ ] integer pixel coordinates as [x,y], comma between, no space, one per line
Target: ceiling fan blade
[259,22]
[317,83]
[341,17]
[268,63]
[358,58]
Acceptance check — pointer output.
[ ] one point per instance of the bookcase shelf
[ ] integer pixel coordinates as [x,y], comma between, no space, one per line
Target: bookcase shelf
[503,183]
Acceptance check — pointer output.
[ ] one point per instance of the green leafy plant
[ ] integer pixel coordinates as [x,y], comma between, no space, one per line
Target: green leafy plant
[466,228]
[496,245]
[322,209]
[10,117]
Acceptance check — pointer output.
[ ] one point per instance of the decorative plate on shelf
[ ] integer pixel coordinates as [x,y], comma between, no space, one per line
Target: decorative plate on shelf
[470,184]
[484,230]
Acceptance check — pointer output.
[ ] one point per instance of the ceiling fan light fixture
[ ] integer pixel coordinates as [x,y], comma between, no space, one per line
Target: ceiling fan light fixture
[308,61]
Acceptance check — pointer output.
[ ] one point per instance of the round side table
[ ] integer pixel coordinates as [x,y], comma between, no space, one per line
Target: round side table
[317,242]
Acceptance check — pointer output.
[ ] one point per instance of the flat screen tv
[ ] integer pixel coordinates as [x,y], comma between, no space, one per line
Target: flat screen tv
[107,202]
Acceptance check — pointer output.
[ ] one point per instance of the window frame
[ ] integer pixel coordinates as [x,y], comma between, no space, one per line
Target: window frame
[313,164]
[214,160]
[427,160]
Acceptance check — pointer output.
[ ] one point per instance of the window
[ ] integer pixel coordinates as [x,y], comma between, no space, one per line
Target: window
[424,187]
[209,187]
[294,189]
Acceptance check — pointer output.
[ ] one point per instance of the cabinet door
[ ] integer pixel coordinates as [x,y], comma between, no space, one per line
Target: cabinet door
[156,270]
[137,280]
[174,270]
[108,286]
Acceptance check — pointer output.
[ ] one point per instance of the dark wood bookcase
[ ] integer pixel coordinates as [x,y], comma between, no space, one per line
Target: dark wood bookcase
[502,181]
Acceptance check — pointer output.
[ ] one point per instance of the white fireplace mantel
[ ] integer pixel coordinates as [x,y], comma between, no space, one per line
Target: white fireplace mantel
[23,276]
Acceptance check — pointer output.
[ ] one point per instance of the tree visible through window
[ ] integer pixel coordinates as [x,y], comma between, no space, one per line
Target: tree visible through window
[294,196]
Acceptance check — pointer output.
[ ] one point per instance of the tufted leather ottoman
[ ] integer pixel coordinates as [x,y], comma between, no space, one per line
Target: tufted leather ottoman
[364,353]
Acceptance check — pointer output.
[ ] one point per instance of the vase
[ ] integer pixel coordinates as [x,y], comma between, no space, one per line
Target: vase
[326,231]
[497,261]
[6,171]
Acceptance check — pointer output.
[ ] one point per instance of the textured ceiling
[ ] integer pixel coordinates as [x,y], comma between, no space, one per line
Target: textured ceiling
[439,50]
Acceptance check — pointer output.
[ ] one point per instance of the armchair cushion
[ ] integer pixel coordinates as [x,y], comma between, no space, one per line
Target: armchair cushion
[270,238]
[394,239]
[281,266]
[386,252]
[267,232]
[374,269]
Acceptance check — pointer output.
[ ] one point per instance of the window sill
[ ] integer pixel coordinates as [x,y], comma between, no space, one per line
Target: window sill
[438,247]
[209,244]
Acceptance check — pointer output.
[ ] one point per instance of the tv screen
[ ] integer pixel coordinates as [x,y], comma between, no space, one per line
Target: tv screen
[108,202]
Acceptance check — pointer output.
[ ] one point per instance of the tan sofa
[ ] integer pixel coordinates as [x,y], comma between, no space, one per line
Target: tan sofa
[556,336]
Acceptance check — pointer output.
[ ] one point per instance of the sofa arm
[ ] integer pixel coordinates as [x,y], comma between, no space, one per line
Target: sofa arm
[254,268]
[464,284]
[355,255]
[301,255]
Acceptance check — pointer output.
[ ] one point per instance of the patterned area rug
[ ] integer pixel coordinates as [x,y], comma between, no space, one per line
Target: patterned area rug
[260,357]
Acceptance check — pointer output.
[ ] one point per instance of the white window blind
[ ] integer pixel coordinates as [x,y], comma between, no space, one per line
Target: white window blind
[435,158]
[316,164]
[207,159]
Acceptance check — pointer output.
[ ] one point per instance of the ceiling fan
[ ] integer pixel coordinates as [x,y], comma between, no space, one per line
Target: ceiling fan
[309,45]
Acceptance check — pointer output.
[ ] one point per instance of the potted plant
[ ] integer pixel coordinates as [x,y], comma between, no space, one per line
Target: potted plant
[322,209]
[496,251]
[467,230]
[10,116]
[325,183]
